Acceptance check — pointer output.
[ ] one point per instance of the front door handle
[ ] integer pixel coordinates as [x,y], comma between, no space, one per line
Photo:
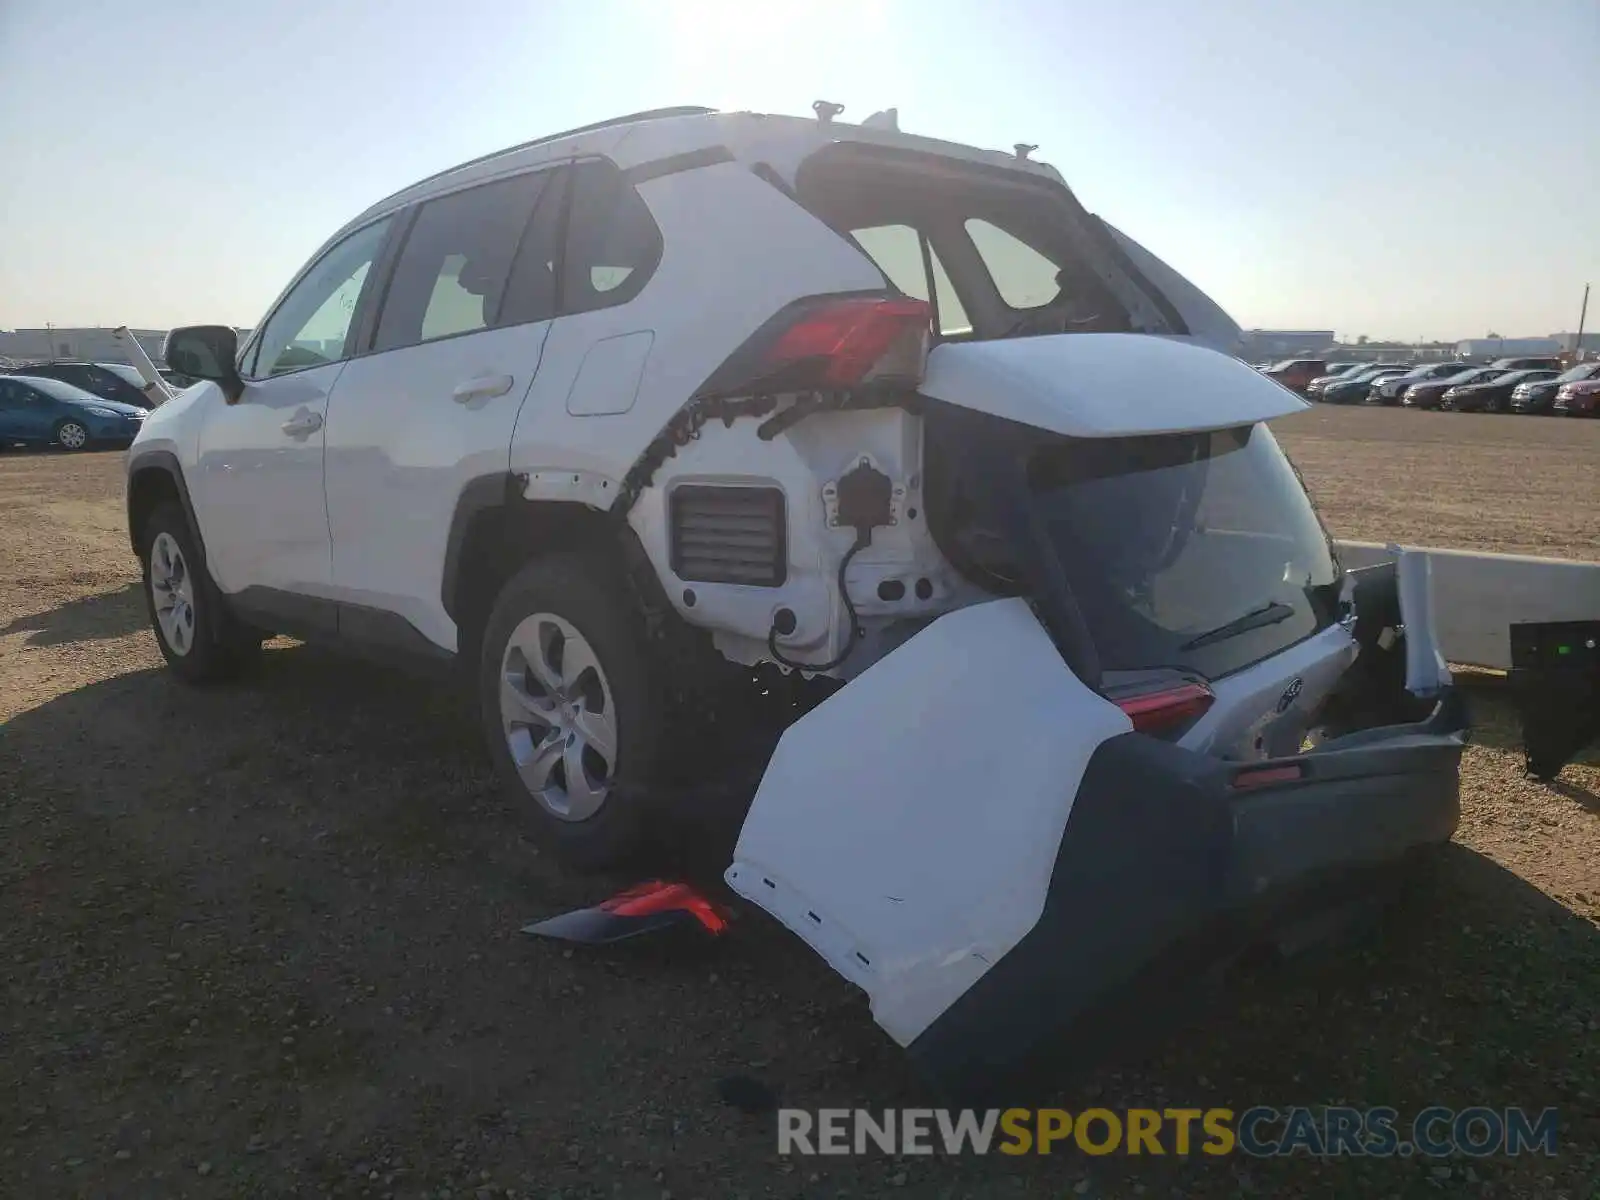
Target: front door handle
[482,388]
[303,423]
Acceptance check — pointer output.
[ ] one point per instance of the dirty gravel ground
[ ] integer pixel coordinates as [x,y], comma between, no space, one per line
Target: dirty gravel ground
[262,940]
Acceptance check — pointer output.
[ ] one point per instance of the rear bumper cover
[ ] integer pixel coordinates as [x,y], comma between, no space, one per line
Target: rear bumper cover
[1166,866]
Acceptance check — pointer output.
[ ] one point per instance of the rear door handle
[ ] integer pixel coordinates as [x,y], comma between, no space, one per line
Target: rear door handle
[303,423]
[482,388]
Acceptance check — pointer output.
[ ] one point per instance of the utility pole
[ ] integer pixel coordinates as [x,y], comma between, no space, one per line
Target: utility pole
[1577,345]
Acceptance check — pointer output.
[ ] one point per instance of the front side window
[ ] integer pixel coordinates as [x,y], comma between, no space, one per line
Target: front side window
[451,275]
[312,326]
[613,243]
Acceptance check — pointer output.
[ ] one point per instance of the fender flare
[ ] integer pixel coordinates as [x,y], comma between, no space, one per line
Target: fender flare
[477,496]
[505,490]
[164,462]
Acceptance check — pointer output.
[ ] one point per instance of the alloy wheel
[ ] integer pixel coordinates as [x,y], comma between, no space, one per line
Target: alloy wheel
[558,716]
[72,436]
[172,592]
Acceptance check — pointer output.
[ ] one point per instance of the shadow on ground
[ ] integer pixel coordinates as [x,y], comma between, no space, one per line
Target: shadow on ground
[272,929]
[92,618]
[1497,724]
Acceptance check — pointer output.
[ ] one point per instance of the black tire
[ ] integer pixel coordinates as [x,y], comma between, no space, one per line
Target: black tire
[594,601]
[72,431]
[219,649]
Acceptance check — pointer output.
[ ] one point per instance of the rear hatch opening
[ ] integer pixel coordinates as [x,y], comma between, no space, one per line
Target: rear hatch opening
[1186,577]
[997,253]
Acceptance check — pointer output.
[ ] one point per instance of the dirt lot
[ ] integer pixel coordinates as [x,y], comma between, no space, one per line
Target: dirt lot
[263,940]
[1513,485]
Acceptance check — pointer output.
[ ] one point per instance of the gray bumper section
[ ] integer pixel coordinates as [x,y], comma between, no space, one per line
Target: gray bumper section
[1168,866]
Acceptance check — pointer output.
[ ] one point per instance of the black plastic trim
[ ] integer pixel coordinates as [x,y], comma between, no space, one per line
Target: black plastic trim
[389,638]
[163,460]
[1167,868]
[771,499]
[375,297]
[676,164]
[477,496]
[309,618]
[371,633]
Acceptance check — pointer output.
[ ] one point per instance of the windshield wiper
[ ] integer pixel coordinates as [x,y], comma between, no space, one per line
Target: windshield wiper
[1268,614]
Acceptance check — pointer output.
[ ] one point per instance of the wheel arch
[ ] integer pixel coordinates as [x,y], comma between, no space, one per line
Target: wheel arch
[496,530]
[154,478]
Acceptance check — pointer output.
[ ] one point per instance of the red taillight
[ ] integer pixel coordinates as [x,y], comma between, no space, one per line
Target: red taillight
[830,342]
[647,899]
[848,341]
[1154,711]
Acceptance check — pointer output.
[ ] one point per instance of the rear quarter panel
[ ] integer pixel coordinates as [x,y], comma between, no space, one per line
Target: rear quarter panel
[735,251]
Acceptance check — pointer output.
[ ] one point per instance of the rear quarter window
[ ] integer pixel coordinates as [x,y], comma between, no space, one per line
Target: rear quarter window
[613,243]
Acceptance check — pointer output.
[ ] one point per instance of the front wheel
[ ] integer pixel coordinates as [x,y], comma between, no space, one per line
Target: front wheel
[72,435]
[197,637]
[573,708]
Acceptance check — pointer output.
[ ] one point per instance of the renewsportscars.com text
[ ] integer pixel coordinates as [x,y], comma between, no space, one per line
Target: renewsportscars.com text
[1261,1131]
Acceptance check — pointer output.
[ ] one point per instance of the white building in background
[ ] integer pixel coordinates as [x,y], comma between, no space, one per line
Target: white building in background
[87,345]
[1508,347]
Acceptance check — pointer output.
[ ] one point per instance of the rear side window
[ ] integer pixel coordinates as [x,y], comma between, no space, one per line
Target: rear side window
[613,243]
[1024,277]
[452,273]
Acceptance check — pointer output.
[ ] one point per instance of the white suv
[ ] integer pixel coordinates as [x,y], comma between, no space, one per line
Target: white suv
[678,428]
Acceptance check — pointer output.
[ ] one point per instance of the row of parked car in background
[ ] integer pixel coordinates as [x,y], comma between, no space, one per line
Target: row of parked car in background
[1521,385]
[76,405]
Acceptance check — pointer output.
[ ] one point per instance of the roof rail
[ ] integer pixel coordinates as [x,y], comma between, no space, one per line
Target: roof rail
[649,114]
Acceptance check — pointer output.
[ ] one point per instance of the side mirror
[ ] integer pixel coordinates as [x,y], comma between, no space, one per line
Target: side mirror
[206,352]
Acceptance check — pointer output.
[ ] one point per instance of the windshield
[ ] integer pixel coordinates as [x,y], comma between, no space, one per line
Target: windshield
[125,373]
[58,390]
[1165,539]
[1580,372]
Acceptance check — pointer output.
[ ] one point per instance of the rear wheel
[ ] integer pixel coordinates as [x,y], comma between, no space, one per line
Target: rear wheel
[72,435]
[572,708]
[197,636]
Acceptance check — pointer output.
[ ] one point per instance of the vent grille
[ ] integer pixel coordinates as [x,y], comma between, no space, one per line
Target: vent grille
[728,535]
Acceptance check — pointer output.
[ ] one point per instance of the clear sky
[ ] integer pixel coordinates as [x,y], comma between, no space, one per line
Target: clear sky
[1396,168]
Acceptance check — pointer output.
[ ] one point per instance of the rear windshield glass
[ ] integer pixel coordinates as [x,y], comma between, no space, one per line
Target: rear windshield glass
[1169,541]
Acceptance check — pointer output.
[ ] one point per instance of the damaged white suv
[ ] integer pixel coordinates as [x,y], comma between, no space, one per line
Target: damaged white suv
[870,465]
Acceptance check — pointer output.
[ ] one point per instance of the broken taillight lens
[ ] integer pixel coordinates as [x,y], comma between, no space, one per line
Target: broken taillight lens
[849,341]
[1165,708]
[831,342]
